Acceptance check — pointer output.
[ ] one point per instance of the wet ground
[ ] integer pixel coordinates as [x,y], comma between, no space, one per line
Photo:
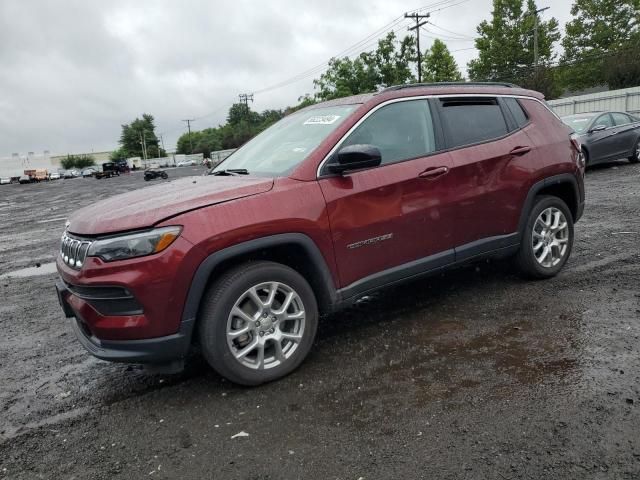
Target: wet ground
[472,374]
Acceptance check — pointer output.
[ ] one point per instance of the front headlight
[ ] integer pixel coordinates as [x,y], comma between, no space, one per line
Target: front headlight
[134,244]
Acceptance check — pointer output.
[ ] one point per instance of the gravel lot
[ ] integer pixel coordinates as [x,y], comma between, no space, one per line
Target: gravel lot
[471,374]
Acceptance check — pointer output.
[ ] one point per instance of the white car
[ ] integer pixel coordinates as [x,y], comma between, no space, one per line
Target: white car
[54,176]
[187,163]
[5,180]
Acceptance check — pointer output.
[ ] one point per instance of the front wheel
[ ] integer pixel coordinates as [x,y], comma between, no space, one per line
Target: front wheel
[165,176]
[547,238]
[635,158]
[258,322]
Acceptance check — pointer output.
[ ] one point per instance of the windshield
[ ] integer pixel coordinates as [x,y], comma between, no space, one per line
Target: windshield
[579,123]
[281,147]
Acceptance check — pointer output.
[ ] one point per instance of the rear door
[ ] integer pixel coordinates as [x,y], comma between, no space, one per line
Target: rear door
[626,132]
[493,162]
[399,212]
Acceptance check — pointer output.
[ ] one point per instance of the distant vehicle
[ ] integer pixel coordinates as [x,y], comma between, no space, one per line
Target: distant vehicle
[5,180]
[54,176]
[88,172]
[24,179]
[153,173]
[187,163]
[109,170]
[37,175]
[607,136]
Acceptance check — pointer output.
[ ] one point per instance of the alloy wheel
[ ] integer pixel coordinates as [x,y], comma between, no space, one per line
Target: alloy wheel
[266,325]
[550,237]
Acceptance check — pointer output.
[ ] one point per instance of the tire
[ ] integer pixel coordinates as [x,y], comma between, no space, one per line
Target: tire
[635,156]
[527,256]
[165,176]
[216,321]
[146,179]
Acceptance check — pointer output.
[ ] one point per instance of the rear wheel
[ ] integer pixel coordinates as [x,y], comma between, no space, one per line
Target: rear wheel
[165,176]
[547,238]
[258,322]
[635,158]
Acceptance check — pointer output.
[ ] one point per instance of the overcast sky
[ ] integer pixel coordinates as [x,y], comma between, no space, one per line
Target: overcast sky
[73,71]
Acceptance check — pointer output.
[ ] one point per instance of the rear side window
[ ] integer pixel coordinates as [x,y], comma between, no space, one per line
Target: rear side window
[401,131]
[620,118]
[517,111]
[473,120]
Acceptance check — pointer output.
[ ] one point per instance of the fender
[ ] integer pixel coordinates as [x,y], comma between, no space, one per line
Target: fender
[201,278]
[548,182]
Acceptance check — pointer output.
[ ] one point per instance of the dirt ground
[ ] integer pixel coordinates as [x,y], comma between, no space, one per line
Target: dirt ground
[472,374]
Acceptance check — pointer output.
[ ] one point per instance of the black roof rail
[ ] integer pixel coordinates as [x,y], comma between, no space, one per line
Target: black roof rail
[451,84]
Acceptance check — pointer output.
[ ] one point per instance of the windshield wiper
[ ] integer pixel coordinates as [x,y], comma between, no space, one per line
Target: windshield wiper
[231,171]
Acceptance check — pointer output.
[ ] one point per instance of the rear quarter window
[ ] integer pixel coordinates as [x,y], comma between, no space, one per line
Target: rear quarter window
[518,113]
[472,121]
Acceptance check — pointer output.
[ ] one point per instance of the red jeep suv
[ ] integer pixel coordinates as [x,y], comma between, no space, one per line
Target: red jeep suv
[331,203]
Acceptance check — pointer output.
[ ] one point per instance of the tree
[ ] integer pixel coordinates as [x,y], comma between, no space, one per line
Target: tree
[600,29]
[133,135]
[388,65]
[506,43]
[438,65]
[77,161]
[623,69]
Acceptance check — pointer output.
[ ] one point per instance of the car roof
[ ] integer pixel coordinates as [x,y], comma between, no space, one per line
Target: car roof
[432,89]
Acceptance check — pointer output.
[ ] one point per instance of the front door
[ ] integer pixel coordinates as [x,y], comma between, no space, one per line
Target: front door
[400,212]
[602,142]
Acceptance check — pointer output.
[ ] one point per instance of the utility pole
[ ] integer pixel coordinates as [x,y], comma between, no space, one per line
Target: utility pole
[535,35]
[244,98]
[189,120]
[143,144]
[417,17]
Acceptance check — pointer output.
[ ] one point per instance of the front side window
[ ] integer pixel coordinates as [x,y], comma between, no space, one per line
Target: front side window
[472,120]
[604,120]
[284,145]
[401,131]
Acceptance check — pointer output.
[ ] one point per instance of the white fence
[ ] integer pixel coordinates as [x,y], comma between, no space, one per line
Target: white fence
[219,155]
[624,100]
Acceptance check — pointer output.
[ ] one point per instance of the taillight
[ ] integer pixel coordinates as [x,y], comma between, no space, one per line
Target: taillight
[575,141]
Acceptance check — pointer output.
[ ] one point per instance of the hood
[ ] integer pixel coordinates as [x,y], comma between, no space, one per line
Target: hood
[147,206]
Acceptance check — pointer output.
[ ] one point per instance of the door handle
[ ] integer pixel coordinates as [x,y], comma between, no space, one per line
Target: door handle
[520,151]
[433,172]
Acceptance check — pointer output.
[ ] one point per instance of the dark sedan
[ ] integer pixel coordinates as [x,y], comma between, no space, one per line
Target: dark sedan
[607,136]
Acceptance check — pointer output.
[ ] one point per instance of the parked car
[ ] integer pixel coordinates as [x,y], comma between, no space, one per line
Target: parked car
[5,180]
[187,163]
[72,173]
[607,136]
[54,176]
[153,173]
[24,179]
[332,203]
[88,172]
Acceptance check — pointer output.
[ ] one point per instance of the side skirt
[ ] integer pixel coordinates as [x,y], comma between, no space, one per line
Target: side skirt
[493,247]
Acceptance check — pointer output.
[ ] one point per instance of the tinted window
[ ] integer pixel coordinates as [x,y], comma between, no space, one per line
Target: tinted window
[517,111]
[620,118]
[401,131]
[473,120]
[604,120]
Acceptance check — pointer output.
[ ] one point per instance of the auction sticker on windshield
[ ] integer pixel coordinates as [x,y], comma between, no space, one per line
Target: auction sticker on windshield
[322,120]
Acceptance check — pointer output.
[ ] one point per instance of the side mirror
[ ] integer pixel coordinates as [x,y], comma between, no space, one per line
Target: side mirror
[355,157]
[597,128]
